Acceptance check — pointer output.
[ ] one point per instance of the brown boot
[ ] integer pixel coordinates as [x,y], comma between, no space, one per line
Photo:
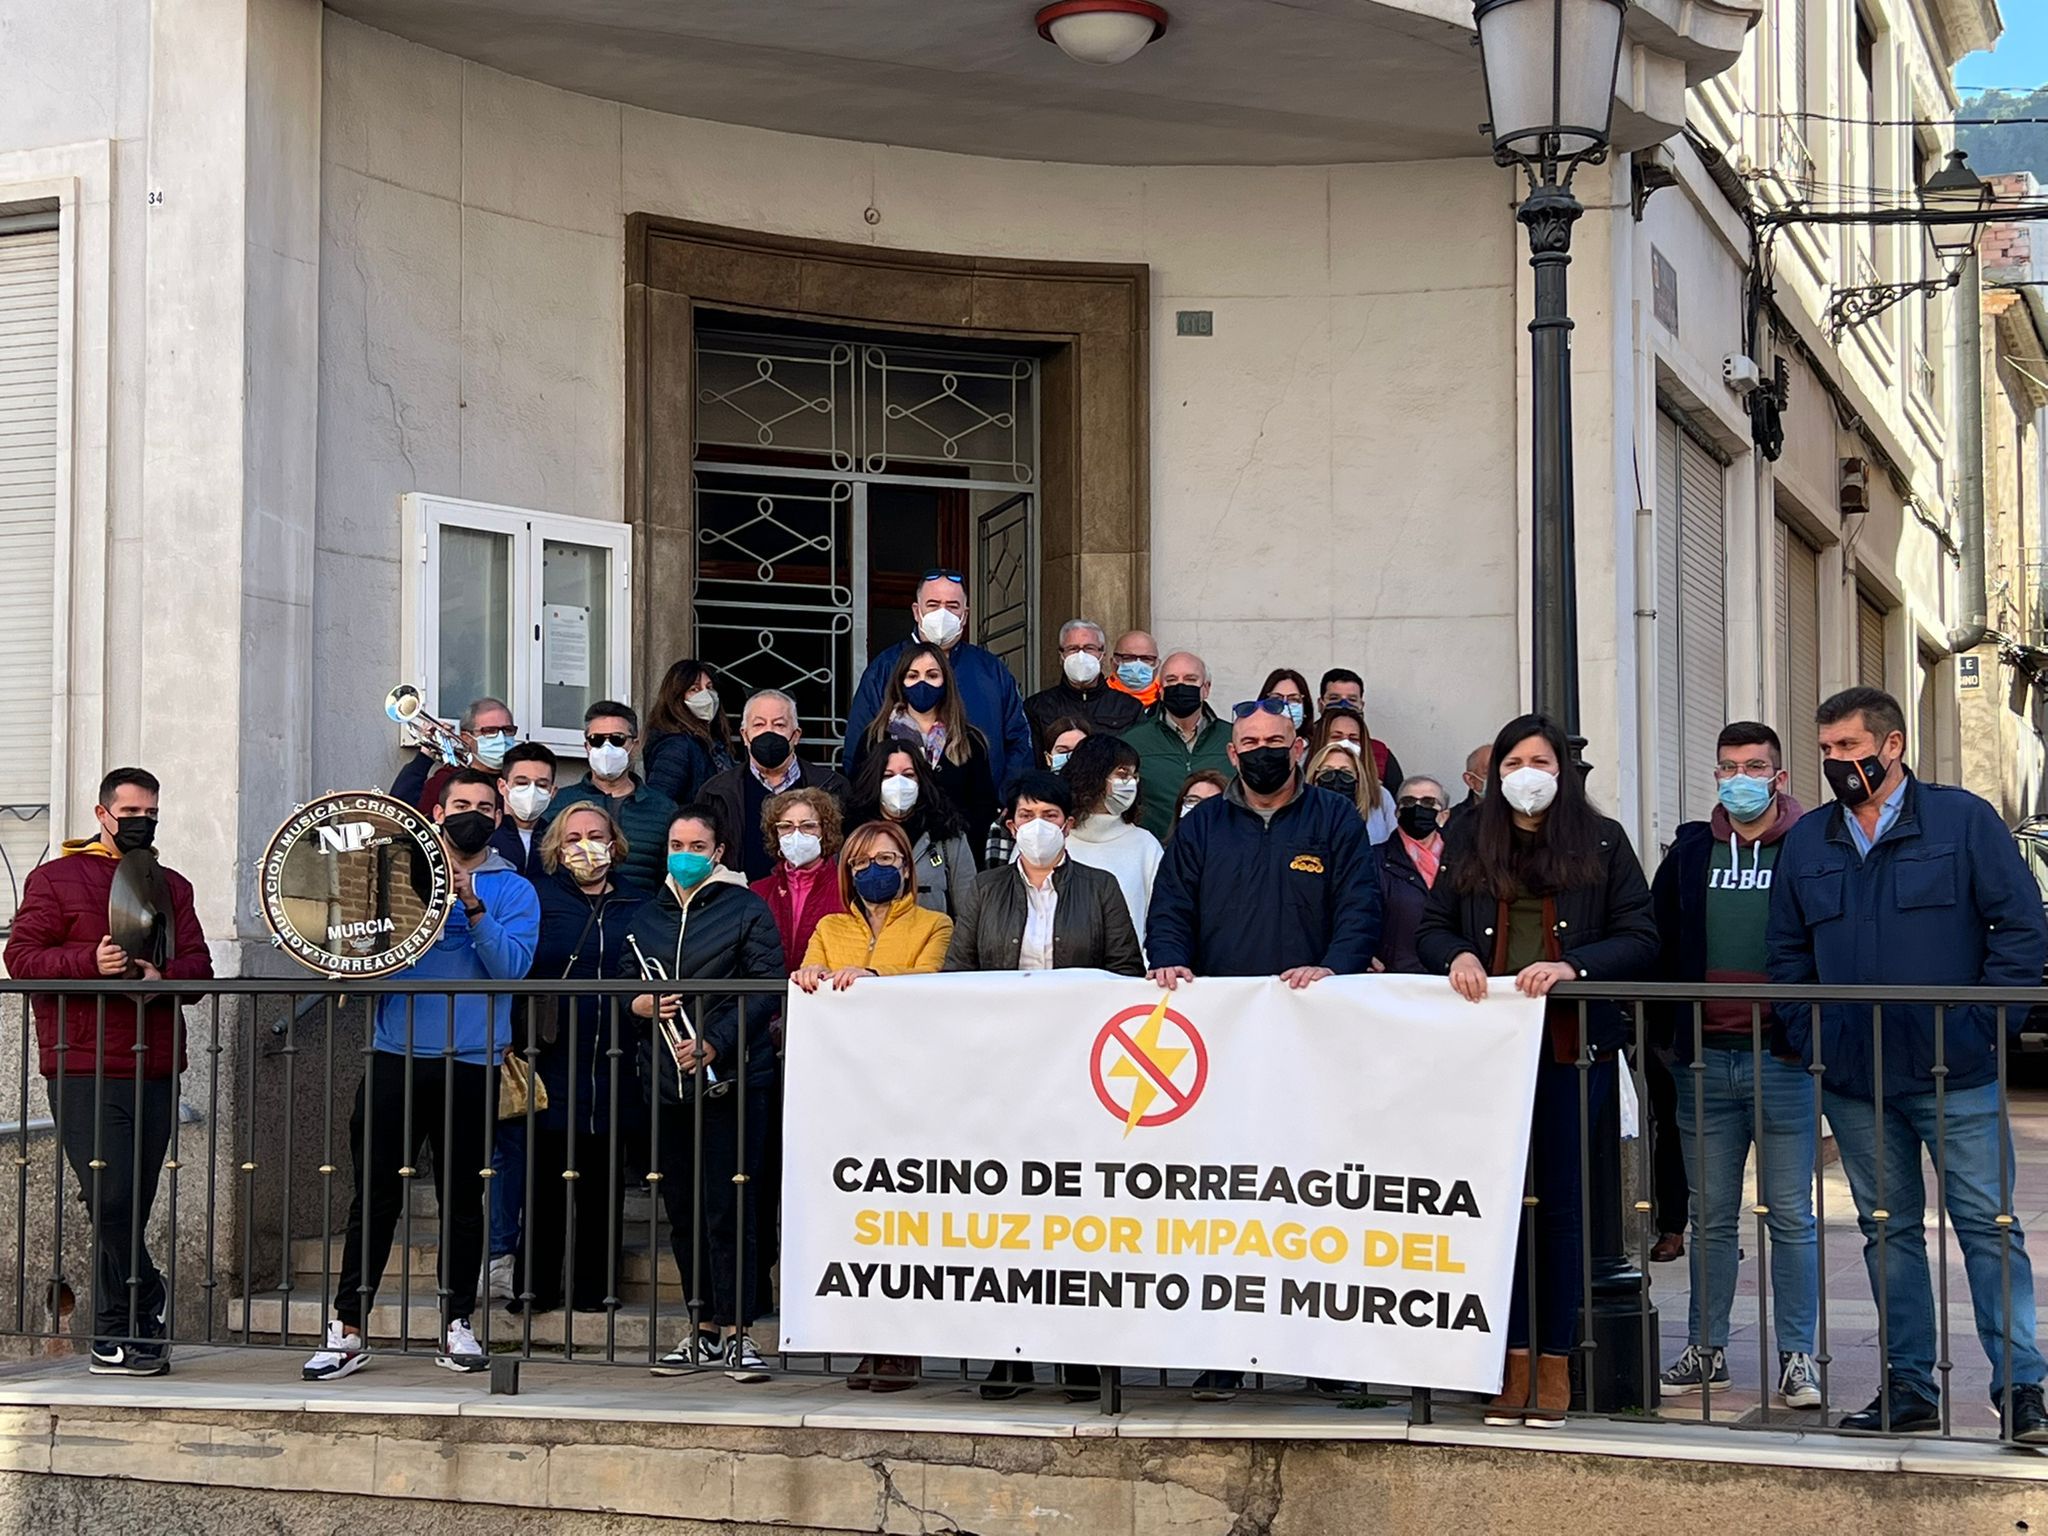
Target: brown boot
[1553,1392]
[1514,1391]
[895,1373]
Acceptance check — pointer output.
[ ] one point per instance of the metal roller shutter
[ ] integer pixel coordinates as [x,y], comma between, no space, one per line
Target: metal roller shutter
[1869,643]
[28,528]
[1798,633]
[1692,649]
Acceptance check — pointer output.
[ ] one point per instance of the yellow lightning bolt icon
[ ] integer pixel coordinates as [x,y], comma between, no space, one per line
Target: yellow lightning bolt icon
[1164,1057]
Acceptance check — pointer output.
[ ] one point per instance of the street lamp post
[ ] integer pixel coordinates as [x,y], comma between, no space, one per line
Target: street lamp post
[1549,68]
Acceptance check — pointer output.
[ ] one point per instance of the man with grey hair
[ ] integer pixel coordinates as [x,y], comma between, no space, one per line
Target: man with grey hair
[1082,694]
[1178,735]
[488,725]
[769,727]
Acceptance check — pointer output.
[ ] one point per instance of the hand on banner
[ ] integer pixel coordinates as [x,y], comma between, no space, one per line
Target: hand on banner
[1468,977]
[812,977]
[1305,976]
[1537,980]
[1169,976]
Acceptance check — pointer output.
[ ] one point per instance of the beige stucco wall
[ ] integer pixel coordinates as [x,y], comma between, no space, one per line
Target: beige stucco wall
[1333,471]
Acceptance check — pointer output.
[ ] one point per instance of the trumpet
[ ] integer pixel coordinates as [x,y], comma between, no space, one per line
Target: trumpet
[651,970]
[408,706]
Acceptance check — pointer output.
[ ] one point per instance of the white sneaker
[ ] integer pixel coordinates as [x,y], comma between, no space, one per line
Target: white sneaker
[1799,1381]
[462,1352]
[499,1281]
[345,1354]
[743,1361]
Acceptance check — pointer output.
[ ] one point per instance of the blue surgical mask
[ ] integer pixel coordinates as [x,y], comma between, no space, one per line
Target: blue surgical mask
[1745,798]
[1136,675]
[689,870]
[1294,712]
[492,746]
[1059,760]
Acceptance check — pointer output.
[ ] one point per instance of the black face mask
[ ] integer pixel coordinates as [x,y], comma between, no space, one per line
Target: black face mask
[770,749]
[1182,700]
[1418,821]
[469,830]
[1265,770]
[1345,784]
[133,832]
[1854,782]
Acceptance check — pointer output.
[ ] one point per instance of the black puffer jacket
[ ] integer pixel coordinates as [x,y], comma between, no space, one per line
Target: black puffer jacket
[1091,926]
[1604,929]
[580,936]
[726,932]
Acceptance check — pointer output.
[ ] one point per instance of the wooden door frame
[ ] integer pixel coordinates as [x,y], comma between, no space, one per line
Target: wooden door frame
[1092,321]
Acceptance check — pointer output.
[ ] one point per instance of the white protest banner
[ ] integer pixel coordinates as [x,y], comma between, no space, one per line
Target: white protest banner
[1072,1166]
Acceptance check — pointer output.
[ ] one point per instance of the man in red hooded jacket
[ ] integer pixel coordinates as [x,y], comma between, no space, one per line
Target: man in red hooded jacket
[113,1080]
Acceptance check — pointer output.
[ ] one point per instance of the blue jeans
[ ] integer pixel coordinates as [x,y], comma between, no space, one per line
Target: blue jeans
[1716,1111]
[1976,1145]
[508,1185]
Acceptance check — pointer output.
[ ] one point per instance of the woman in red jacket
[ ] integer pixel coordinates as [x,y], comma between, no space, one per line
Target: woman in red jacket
[113,1078]
[803,826]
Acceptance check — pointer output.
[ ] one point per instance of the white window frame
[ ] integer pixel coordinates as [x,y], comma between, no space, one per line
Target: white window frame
[423,518]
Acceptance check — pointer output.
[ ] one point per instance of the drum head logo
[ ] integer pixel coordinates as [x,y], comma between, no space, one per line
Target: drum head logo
[1149,1066]
[356,885]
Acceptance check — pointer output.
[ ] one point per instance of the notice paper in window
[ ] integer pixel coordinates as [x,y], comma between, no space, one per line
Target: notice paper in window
[565,646]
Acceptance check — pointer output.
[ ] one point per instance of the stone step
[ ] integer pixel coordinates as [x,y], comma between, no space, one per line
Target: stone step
[638,1273]
[304,1321]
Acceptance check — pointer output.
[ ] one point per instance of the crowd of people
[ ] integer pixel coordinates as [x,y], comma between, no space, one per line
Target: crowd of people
[1118,821]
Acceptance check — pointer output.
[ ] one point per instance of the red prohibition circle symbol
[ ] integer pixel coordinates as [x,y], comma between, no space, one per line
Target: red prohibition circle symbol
[1146,1061]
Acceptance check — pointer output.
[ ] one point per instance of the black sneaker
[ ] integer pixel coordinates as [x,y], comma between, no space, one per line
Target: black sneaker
[1007,1379]
[132,1360]
[2029,1414]
[1080,1383]
[1910,1413]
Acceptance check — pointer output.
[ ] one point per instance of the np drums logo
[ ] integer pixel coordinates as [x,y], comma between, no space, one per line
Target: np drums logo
[1149,1066]
[356,885]
[348,837]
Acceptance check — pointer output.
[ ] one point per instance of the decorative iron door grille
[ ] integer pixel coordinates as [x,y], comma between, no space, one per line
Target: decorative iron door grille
[794,587]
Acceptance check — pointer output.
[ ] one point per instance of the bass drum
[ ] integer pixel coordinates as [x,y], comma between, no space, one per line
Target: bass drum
[356,885]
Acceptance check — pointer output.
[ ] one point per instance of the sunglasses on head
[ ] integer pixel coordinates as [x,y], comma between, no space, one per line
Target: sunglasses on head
[1260,706]
[940,573]
[608,739]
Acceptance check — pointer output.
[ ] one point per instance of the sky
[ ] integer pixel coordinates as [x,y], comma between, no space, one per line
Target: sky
[2021,59]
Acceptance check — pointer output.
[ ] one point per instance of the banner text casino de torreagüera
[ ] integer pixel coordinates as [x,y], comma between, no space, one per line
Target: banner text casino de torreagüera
[1072,1166]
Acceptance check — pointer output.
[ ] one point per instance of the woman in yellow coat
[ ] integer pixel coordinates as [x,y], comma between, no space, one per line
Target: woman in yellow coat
[883,931]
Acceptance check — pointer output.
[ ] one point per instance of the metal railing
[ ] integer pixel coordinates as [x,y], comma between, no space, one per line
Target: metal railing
[273,1146]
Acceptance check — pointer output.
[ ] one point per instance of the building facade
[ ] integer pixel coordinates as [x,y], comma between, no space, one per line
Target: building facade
[403,343]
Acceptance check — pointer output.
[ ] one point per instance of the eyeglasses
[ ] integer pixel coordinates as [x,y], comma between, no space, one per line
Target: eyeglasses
[1755,768]
[1150,658]
[784,828]
[886,860]
[1343,707]
[1092,647]
[1429,801]
[608,739]
[940,573]
[1260,706]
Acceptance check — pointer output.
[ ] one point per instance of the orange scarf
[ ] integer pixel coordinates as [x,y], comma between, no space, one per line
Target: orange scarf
[1146,696]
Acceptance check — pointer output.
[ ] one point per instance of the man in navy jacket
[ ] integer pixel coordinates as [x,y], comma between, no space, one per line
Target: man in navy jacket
[988,691]
[1911,884]
[1272,877]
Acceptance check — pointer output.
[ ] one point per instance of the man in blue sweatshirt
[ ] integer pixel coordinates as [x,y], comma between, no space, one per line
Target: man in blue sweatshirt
[449,1047]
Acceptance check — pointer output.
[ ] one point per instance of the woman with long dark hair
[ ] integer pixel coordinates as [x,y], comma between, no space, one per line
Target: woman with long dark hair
[895,785]
[1102,776]
[1291,689]
[689,739]
[1542,888]
[921,706]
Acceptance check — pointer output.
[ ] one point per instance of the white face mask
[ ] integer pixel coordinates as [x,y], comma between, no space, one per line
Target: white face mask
[1123,794]
[800,848]
[1081,669]
[703,703]
[528,800]
[608,761]
[1529,790]
[940,627]
[1040,842]
[899,794]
